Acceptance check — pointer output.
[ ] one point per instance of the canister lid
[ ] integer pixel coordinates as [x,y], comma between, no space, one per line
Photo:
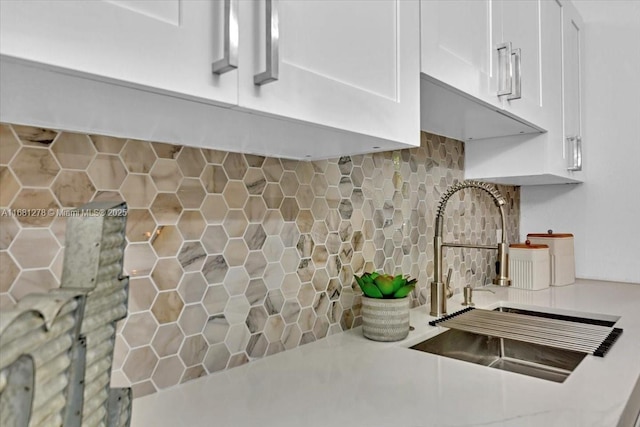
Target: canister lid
[528,245]
[550,234]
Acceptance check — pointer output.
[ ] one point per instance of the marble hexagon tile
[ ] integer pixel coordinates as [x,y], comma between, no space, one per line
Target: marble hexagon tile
[234,257]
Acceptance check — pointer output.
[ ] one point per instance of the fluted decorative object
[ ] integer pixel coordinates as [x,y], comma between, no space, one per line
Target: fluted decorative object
[385,319]
[385,306]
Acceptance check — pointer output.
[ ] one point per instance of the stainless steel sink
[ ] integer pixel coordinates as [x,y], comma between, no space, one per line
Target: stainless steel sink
[508,355]
[536,360]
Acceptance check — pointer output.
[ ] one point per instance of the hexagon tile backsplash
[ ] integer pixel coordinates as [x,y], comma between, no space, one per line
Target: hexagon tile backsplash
[234,257]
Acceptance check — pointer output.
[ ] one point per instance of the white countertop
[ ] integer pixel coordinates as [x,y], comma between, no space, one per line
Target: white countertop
[347,380]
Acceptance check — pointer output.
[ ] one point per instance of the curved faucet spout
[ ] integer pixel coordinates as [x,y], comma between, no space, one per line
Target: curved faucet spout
[440,290]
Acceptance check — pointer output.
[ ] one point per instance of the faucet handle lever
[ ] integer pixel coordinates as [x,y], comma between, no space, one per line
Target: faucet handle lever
[447,284]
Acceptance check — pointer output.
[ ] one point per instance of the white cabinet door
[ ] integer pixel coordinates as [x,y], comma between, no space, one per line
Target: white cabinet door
[459,47]
[572,45]
[456,46]
[541,159]
[348,70]
[552,159]
[518,23]
[165,46]
[350,65]
[466,71]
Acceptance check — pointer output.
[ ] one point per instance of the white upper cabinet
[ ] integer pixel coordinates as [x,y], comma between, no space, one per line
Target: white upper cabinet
[164,45]
[457,46]
[343,75]
[572,78]
[517,34]
[553,157]
[470,54]
[350,65]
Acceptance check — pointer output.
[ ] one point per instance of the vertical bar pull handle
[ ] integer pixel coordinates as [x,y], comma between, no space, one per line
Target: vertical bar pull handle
[229,59]
[516,92]
[578,164]
[505,69]
[576,156]
[272,53]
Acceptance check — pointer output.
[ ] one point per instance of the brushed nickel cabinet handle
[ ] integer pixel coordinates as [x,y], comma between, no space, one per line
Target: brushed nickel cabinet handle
[576,153]
[229,59]
[505,69]
[272,45]
[516,92]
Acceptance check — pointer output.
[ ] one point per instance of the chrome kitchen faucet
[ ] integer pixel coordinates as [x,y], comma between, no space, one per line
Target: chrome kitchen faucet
[440,290]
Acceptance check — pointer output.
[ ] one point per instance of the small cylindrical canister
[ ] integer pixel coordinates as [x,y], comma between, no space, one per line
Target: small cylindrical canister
[561,256]
[529,266]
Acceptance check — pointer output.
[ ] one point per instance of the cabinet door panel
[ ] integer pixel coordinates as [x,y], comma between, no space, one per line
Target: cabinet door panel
[167,11]
[572,78]
[165,46]
[520,25]
[541,159]
[315,35]
[551,13]
[456,39]
[350,65]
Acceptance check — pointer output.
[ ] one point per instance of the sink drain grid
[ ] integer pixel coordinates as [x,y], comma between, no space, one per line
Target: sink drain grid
[567,335]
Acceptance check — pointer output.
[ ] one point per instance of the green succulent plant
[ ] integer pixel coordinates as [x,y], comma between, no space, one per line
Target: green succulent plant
[376,285]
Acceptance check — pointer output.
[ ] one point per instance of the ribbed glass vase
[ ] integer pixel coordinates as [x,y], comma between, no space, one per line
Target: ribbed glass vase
[385,319]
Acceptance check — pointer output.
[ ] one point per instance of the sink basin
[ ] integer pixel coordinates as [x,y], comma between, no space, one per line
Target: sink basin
[508,355]
[536,360]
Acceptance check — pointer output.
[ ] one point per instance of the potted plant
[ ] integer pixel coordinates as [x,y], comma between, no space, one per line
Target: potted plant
[385,306]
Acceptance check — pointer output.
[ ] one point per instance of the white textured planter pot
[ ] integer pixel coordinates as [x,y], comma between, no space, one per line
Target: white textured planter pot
[385,319]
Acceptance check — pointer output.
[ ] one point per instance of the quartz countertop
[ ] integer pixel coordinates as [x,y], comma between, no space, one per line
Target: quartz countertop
[347,380]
